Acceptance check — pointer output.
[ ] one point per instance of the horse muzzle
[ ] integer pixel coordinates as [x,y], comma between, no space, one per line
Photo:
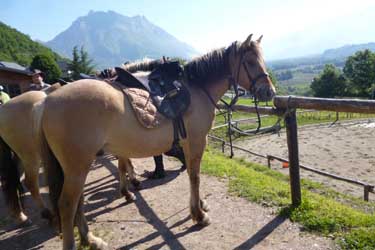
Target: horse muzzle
[265,92]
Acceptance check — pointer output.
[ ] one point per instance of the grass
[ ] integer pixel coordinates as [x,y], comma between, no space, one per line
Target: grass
[353,228]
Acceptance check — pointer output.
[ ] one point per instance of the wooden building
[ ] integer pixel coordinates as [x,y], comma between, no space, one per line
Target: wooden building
[15,78]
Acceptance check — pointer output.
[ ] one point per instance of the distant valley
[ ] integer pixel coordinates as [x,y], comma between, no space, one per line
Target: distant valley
[295,74]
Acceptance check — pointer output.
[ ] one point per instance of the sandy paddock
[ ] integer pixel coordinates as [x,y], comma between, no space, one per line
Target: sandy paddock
[346,149]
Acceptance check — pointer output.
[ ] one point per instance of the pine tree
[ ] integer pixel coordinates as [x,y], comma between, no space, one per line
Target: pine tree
[81,63]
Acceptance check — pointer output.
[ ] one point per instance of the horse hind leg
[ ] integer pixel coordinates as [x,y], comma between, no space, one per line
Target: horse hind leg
[131,174]
[70,207]
[126,168]
[10,182]
[32,183]
[87,238]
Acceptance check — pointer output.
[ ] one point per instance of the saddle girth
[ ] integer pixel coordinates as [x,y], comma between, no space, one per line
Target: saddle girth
[170,95]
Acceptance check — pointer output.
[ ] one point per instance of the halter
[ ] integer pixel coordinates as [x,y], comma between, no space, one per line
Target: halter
[252,80]
[234,83]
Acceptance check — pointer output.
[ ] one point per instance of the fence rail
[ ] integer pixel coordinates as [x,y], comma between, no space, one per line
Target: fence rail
[286,107]
[328,104]
[367,188]
[289,104]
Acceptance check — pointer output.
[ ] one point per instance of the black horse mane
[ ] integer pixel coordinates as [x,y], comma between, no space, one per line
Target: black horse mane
[146,65]
[211,66]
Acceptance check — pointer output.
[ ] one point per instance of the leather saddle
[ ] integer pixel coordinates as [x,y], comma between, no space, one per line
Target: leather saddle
[167,91]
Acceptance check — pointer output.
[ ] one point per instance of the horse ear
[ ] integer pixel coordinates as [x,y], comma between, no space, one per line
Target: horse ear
[260,39]
[248,40]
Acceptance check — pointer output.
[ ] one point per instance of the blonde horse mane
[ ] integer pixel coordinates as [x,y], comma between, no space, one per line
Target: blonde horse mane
[143,65]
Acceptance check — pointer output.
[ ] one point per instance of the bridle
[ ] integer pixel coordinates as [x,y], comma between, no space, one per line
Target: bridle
[234,83]
[251,79]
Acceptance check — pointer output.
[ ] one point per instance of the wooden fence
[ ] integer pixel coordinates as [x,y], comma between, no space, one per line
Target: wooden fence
[289,105]
[286,106]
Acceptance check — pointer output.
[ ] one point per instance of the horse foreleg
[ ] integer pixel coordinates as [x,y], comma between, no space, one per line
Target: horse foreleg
[87,238]
[193,157]
[32,183]
[125,167]
[68,202]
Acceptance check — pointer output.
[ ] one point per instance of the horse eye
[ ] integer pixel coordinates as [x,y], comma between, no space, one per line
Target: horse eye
[251,63]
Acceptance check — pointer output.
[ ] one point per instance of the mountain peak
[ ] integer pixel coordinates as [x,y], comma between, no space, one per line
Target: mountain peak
[347,50]
[111,38]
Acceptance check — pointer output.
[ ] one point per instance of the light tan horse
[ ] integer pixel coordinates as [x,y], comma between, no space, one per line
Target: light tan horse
[19,149]
[18,145]
[79,119]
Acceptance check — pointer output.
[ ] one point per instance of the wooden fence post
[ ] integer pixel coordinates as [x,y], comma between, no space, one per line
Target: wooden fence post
[269,161]
[292,139]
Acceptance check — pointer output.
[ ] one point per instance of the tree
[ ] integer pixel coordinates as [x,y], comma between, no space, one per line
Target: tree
[18,47]
[47,64]
[360,70]
[86,63]
[330,83]
[81,63]
[74,64]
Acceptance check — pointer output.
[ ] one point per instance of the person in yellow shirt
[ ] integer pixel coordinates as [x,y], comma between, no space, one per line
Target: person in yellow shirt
[4,97]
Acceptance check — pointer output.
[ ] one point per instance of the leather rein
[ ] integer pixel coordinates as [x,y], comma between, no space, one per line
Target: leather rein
[234,83]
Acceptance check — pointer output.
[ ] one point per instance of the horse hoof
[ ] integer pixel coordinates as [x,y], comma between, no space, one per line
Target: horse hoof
[97,243]
[46,214]
[23,220]
[205,221]
[130,197]
[204,206]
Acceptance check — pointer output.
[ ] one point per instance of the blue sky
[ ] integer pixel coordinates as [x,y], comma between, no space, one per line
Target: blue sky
[290,27]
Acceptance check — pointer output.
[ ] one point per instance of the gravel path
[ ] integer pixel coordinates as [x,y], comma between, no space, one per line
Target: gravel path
[159,219]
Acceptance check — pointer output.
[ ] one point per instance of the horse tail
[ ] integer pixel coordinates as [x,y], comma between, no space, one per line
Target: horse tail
[10,177]
[53,173]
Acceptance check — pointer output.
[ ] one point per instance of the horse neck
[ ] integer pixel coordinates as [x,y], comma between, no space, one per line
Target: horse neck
[217,89]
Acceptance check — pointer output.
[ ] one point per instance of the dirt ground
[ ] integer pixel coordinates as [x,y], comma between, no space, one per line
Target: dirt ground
[159,218]
[346,149]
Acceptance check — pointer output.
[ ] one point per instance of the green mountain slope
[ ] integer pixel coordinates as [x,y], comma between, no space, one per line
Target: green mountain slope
[18,47]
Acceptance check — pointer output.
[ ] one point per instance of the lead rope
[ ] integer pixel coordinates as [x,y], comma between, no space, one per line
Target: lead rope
[258,115]
[228,113]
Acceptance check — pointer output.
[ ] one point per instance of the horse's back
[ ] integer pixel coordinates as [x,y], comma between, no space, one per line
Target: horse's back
[72,113]
[16,126]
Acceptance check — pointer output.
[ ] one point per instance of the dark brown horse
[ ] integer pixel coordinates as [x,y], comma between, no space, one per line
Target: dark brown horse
[78,120]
